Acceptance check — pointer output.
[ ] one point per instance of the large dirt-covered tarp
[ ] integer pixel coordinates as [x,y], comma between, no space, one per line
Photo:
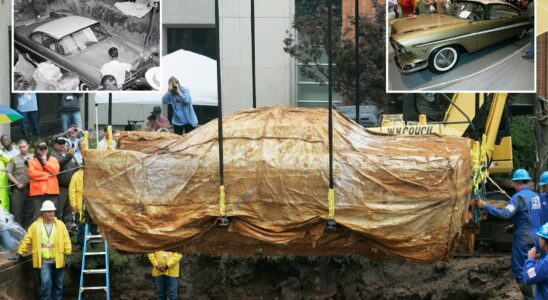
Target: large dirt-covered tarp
[146,141]
[396,196]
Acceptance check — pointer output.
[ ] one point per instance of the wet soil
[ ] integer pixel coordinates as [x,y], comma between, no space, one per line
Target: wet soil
[343,277]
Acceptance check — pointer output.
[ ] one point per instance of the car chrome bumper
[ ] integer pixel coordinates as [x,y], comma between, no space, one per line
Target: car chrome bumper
[409,66]
[407,62]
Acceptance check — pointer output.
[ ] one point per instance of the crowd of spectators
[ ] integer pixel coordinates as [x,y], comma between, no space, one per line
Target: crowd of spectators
[42,188]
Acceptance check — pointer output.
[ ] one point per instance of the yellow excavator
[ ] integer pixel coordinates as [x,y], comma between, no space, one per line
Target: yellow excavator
[471,115]
[485,118]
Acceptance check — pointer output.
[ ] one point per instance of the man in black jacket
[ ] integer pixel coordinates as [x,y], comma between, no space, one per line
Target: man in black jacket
[69,106]
[69,166]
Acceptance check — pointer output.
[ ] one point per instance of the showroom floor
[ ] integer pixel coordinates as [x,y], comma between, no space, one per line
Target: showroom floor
[499,67]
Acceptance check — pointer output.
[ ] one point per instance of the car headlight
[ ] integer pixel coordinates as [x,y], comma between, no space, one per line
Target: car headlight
[400,49]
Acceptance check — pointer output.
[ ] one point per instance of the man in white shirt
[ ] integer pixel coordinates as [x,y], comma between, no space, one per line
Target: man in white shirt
[103,144]
[115,68]
[8,147]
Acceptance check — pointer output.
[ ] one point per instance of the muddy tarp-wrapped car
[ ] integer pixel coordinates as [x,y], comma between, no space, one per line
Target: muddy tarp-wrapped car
[395,196]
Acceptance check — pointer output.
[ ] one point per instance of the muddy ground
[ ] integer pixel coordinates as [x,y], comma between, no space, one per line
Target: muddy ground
[346,277]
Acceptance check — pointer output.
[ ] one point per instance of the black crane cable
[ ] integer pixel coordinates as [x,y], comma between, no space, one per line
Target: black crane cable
[331,224]
[253,54]
[224,219]
[357,56]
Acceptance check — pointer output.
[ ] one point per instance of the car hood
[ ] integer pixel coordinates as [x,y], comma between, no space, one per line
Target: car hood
[97,55]
[423,22]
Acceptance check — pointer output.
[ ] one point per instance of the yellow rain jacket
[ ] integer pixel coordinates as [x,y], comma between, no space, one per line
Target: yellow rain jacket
[76,188]
[4,190]
[171,259]
[33,237]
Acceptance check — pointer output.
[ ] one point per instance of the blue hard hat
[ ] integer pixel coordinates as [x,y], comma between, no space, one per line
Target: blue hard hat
[543,231]
[521,174]
[543,178]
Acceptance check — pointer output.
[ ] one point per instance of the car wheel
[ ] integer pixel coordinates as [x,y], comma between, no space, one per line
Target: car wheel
[443,59]
[522,34]
[84,87]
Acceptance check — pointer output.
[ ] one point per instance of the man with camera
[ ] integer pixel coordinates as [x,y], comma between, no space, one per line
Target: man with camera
[73,136]
[184,118]
[69,166]
[156,121]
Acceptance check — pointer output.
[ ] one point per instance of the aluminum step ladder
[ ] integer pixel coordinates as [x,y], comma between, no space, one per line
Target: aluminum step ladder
[88,239]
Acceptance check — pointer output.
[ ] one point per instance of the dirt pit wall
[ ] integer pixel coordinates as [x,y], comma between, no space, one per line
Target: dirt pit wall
[337,277]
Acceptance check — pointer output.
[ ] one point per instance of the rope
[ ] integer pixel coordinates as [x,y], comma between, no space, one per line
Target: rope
[499,188]
[49,175]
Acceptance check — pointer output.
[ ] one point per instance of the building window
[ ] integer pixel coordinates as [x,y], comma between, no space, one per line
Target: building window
[311,93]
[197,40]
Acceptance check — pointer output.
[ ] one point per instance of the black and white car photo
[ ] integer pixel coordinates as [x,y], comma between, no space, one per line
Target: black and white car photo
[86,45]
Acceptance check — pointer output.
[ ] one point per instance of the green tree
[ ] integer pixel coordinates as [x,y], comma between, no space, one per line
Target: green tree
[310,50]
[523,143]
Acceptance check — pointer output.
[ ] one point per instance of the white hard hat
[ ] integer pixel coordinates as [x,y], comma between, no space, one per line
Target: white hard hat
[48,206]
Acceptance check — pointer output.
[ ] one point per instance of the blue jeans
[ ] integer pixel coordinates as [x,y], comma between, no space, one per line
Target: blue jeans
[531,54]
[82,230]
[51,282]
[32,118]
[166,287]
[7,240]
[69,118]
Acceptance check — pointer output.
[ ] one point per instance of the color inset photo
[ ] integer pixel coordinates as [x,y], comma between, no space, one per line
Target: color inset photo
[461,45]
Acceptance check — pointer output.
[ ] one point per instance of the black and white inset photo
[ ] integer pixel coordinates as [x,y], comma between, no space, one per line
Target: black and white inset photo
[86,45]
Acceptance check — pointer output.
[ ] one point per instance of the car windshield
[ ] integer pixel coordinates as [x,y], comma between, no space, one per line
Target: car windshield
[465,10]
[82,39]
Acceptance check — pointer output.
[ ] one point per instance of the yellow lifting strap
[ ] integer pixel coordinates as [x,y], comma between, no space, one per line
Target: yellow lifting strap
[222,204]
[109,141]
[479,163]
[331,200]
[85,144]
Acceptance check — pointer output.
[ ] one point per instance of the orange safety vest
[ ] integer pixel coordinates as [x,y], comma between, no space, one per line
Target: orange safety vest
[41,183]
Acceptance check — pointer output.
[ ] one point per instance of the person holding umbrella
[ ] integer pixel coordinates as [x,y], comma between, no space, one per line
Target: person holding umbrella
[4,190]
[7,115]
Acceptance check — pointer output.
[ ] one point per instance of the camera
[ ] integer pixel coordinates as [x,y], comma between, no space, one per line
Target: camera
[174,88]
[152,118]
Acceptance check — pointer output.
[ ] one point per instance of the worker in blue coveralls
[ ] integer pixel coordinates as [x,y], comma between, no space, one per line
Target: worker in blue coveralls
[525,211]
[535,270]
[543,184]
